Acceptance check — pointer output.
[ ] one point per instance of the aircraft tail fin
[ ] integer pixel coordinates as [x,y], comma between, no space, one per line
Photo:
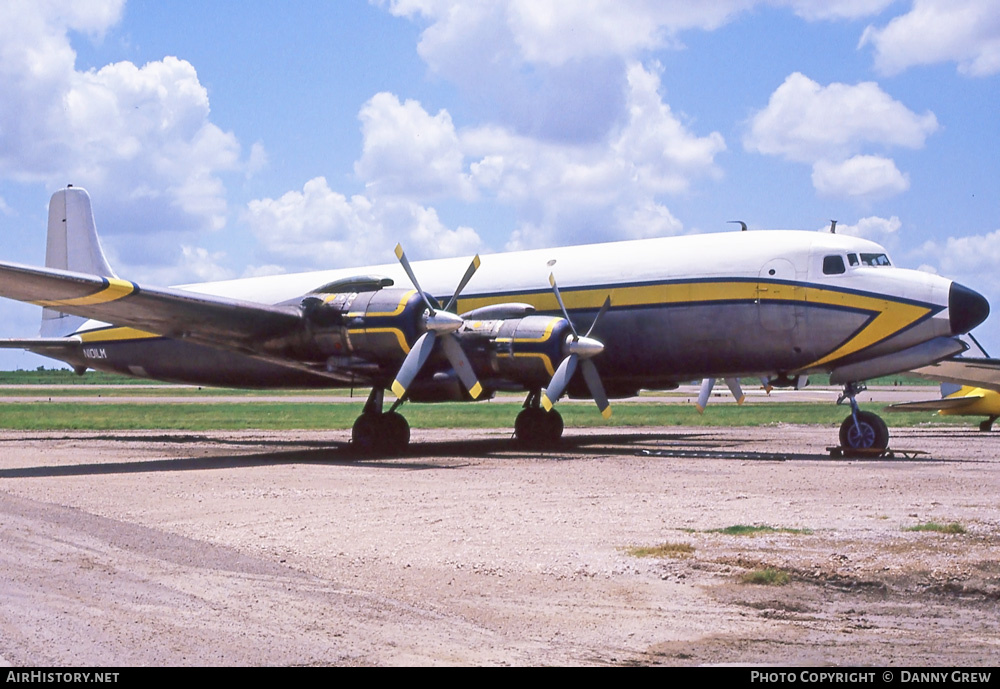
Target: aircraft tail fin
[72,244]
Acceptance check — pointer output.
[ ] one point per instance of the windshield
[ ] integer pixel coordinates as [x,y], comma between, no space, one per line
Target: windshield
[875,260]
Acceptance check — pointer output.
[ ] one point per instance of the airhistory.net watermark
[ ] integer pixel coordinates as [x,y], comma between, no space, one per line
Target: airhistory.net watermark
[51,677]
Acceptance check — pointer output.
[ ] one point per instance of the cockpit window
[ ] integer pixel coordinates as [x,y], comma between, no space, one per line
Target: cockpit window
[833,265]
[875,260]
[852,259]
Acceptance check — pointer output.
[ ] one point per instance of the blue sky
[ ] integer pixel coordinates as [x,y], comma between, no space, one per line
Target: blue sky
[226,139]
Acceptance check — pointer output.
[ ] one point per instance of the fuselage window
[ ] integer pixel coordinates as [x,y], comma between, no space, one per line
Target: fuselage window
[833,265]
[852,260]
[875,260]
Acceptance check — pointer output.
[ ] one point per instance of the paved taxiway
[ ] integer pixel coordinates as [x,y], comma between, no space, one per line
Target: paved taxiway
[281,548]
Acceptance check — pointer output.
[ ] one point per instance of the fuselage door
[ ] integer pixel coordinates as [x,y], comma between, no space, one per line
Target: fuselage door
[779,297]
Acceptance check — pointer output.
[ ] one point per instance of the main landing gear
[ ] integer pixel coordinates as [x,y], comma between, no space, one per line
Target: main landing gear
[380,433]
[536,427]
[862,430]
[386,433]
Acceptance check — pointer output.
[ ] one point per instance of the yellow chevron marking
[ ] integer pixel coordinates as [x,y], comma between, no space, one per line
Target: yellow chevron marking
[376,331]
[892,317]
[395,312]
[116,289]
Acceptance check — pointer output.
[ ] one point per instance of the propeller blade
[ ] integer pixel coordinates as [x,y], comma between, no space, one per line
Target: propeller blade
[704,394]
[413,362]
[734,387]
[555,289]
[560,380]
[460,362]
[595,386]
[604,307]
[469,272]
[410,274]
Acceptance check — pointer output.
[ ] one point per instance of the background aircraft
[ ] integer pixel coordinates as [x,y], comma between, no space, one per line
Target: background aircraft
[653,313]
[970,387]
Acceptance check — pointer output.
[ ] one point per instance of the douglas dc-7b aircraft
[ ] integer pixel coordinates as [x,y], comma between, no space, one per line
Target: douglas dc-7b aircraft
[627,315]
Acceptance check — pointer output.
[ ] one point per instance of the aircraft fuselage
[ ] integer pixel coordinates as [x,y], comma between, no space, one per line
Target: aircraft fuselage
[763,303]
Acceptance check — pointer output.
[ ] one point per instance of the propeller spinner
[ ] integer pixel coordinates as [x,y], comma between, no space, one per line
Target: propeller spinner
[578,350]
[439,325]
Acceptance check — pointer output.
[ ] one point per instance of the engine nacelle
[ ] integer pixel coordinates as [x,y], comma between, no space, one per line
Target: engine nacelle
[377,326]
[524,350]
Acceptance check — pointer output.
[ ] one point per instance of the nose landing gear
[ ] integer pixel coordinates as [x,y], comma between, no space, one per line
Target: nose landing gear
[862,430]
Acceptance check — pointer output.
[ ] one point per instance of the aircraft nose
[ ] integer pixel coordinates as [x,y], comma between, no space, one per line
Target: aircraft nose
[967,308]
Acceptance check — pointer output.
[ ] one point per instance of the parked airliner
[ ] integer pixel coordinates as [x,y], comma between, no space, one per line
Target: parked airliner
[596,321]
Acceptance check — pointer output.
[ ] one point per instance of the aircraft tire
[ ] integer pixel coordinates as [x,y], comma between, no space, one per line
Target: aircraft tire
[396,433]
[535,427]
[365,434]
[874,433]
[375,434]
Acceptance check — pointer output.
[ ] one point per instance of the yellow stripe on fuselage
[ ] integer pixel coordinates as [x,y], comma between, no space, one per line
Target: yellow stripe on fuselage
[115,335]
[888,316]
[115,289]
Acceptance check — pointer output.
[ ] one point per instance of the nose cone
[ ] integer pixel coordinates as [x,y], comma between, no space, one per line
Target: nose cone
[967,309]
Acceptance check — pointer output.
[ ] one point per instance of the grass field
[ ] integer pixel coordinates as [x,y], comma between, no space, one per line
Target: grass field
[58,415]
[61,414]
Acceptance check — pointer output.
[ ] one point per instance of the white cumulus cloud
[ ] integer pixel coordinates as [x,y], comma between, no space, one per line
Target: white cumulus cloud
[966,32]
[321,228]
[861,175]
[831,127]
[141,135]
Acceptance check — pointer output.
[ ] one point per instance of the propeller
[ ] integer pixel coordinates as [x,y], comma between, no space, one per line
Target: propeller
[706,390]
[578,350]
[439,325]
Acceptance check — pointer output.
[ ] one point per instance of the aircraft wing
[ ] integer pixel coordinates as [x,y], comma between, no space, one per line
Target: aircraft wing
[954,404]
[980,373]
[207,319]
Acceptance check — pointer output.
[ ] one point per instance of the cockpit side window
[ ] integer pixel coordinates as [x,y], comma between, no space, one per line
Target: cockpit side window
[875,260]
[852,260]
[833,265]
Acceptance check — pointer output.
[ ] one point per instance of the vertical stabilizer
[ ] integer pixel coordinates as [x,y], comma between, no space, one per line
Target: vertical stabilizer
[72,244]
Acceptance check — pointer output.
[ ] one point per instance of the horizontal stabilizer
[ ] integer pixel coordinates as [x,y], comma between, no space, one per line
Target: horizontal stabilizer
[39,343]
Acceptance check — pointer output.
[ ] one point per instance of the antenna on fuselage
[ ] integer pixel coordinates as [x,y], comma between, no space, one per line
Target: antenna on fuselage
[833,227]
[743,225]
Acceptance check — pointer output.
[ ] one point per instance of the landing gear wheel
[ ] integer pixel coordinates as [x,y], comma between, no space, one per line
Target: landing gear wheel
[375,434]
[396,433]
[535,427]
[870,432]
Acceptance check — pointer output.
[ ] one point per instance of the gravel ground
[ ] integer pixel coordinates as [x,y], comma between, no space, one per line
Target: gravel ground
[145,548]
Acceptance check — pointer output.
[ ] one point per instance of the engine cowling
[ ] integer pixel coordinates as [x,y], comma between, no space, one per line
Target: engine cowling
[377,326]
[523,350]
